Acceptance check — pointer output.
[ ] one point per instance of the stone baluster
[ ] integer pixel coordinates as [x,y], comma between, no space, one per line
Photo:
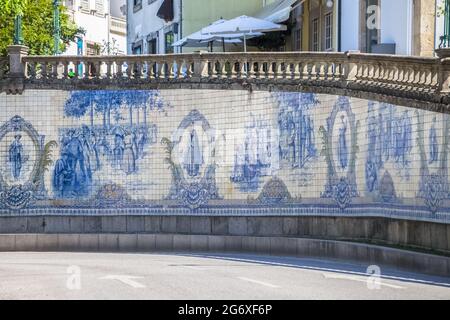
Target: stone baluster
[151,68]
[200,67]
[223,69]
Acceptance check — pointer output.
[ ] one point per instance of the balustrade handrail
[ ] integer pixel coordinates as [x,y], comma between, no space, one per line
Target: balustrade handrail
[243,55]
[393,75]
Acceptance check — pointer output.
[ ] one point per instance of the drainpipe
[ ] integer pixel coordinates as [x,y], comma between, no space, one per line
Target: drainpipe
[181,24]
[445,43]
[339,25]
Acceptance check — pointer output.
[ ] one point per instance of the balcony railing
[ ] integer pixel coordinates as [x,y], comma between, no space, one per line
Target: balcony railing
[418,78]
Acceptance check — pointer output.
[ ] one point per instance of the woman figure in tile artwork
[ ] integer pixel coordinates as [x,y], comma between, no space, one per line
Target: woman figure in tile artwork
[63,177]
[342,144]
[193,158]
[129,154]
[119,148]
[16,156]
[434,147]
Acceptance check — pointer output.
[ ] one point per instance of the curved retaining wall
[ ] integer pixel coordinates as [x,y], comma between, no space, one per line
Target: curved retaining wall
[218,152]
[417,235]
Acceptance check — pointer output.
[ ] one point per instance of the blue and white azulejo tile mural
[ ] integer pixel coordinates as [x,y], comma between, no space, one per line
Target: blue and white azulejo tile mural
[213,152]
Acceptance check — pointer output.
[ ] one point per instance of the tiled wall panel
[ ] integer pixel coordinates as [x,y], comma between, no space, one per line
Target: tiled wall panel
[220,153]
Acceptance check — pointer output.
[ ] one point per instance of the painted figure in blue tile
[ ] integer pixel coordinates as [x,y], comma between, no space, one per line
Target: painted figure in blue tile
[96,142]
[310,137]
[86,141]
[72,175]
[63,177]
[119,148]
[342,144]
[387,141]
[103,144]
[434,145]
[249,168]
[371,175]
[142,140]
[129,154]
[372,137]
[297,143]
[302,132]
[287,139]
[134,142]
[379,145]
[193,158]
[402,138]
[16,156]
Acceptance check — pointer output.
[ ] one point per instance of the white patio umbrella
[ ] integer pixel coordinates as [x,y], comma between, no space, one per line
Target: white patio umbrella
[198,39]
[243,25]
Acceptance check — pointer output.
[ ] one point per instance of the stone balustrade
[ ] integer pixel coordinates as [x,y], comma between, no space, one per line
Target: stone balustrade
[3,67]
[403,80]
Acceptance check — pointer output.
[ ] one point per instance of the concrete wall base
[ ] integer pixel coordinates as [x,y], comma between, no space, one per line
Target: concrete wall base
[430,237]
[280,246]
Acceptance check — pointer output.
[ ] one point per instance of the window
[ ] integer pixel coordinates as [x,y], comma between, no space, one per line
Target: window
[372,31]
[137,50]
[69,4]
[168,40]
[151,1]
[137,5]
[315,35]
[329,31]
[84,4]
[99,6]
[151,46]
[92,48]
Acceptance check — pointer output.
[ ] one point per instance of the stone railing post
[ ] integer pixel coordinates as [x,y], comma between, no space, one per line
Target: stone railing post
[200,67]
[350,68]
[444,76]
[17,68]
[16,65]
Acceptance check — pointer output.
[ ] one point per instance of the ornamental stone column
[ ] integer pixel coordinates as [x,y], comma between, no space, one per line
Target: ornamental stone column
[17,68]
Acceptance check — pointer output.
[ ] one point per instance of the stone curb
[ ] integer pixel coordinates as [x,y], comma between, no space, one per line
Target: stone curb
[278,246]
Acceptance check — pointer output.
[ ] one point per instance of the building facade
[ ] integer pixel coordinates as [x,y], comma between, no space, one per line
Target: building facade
[402,27]
[405,27]
[153,25]
[104,23]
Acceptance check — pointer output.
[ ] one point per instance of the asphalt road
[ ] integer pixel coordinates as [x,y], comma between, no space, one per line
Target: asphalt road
[214,276]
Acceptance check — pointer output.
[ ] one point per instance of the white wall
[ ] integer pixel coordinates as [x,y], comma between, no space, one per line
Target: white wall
[145,21]
[115,8]
[396,24]
[439,25]
[350,25]
[96,28]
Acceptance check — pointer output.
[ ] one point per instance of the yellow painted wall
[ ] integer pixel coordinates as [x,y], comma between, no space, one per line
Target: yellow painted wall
[305,27]
[199,13]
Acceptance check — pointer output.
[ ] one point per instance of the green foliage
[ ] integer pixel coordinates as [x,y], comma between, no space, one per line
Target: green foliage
[45,161]
[168,150]
[37,25]
[13,7]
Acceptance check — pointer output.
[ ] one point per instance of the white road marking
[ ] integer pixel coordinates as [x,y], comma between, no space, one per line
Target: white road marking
[128,280]
[194,268]
[291,265]
[345,277]
[258,282]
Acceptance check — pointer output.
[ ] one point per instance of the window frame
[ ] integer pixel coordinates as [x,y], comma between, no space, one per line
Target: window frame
[328,19]
[315,34]
[137,5]
[166,43]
